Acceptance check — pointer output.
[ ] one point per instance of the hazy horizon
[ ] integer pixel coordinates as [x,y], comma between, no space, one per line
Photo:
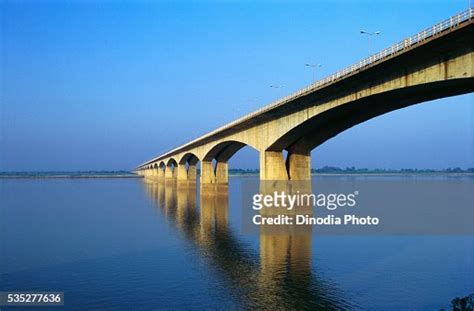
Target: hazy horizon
[464,169]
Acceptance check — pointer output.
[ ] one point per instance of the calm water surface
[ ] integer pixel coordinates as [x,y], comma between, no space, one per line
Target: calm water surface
[130,244]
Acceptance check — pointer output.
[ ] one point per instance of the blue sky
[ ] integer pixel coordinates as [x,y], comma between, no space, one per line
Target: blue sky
[91,85]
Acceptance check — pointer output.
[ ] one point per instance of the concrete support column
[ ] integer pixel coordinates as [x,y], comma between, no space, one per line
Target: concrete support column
[192,172]
[161,173]
[219,175]
[272,166]
[148,173]
[299,165]
[182,174]
[222,172]
[169,173]
[207,173]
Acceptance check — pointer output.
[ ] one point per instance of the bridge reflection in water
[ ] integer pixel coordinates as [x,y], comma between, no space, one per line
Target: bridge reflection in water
[278,275]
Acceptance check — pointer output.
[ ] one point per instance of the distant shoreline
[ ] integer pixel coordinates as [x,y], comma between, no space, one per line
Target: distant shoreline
[395,174]
[377,174]
[68,175]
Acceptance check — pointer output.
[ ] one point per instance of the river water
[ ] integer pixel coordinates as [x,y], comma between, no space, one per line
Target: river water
[132,244]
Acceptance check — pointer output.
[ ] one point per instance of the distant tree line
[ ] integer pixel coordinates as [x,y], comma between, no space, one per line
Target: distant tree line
[65,173]
[354,170]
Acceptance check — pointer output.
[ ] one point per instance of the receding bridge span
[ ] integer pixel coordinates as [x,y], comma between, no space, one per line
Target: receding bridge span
[435,63]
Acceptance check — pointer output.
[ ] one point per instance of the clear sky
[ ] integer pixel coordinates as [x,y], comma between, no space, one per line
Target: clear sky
[91,85]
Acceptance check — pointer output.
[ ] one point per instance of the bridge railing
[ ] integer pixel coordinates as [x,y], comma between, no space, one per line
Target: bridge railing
[394,49]
[405,44]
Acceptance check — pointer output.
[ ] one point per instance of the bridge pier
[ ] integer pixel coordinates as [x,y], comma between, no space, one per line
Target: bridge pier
[170,173]
[148,173]
[186,176]
[160,173]
[299,165]
[217,175]
[192,172]
[222,172]
[182,174]
[188,173]
[207,173]
[274,167]
[155,172]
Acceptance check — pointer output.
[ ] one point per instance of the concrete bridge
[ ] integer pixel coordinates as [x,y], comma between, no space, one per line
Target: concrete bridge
[437,62]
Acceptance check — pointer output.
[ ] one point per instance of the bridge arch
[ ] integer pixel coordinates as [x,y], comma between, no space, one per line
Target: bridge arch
[171,170]
[215,166]
[310,133]
[332,119]
[188,167]
[154,170]
[162,166]
[223,151]
[159,169]
[189,158]
[171,162]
